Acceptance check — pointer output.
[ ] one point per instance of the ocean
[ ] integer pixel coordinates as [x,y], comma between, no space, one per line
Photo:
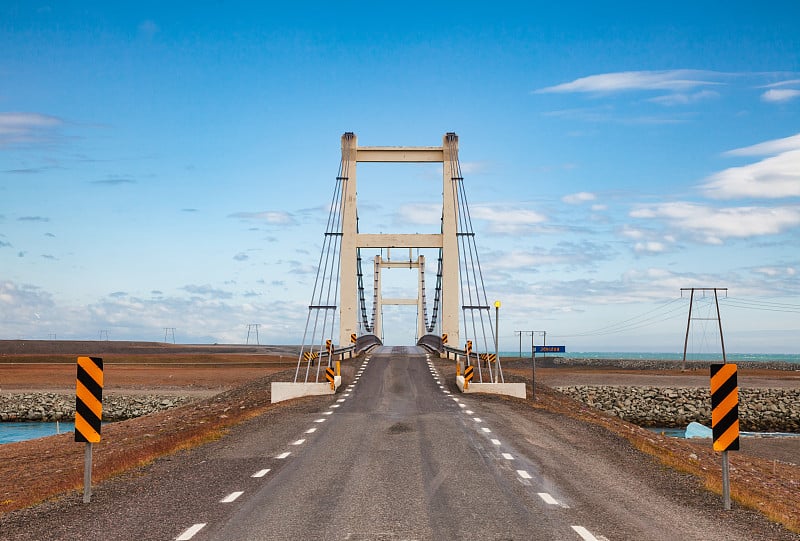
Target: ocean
[638,355]
[12,432]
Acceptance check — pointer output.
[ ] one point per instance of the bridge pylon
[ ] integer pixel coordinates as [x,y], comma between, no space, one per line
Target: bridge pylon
[352,239]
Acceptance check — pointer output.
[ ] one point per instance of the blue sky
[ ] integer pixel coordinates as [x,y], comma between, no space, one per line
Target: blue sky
[172,166]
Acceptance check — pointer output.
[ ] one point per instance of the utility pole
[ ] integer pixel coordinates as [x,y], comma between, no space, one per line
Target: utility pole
[169,331]
[104,332]
[690,318]
[253,327]
[533,356]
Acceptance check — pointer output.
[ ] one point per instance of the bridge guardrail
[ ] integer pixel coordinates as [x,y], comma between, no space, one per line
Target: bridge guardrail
[366,342]
[432,342]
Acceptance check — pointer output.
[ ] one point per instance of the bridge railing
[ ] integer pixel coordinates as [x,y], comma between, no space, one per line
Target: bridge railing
[365,342]
[431,342]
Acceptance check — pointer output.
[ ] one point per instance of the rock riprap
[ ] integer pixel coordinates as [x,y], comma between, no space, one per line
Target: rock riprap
[760,410]
[58,407]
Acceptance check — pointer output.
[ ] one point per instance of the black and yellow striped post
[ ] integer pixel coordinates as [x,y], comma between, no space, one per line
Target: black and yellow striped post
[330,376]
[444,338]
[725,418]
[353,338]
[468,373]
[88,413]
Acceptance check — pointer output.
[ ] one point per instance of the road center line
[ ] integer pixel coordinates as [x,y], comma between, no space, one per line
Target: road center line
[340,400]
[476,419]
[283,455]
[231,497]
[319,421]
[485,429]
[189,533]
[523,474]
[585,534]
[311,430]
[496,442]
[260,473]
[327,413]
[548,499]
[299,442]
[508,456]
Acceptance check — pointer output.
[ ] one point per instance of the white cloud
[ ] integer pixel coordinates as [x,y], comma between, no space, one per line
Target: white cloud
[684,99]
[505,219]
[773,177]
[272,217]
[768,148]
[652,247]
[775,272]
[26,127]
[779,95]
[578,198]
[712,225]
[674,80]
[420,213]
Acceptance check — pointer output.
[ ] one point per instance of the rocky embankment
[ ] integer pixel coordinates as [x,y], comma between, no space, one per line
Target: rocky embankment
[57,407]
[760,410]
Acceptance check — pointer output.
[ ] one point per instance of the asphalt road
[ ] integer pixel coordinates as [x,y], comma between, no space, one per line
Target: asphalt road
[397,454]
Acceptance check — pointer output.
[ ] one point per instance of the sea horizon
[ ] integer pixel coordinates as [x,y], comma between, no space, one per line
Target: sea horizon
[793,358]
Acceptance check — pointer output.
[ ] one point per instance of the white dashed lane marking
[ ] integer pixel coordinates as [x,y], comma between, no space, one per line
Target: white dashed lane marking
[585,534]
[496,442]
[189,533]
[547,498]
[311,430]
[299,442]
[319,420]
[231,497]
[523,474]
[486,430]
[508,456]
[283,455]
[260,473]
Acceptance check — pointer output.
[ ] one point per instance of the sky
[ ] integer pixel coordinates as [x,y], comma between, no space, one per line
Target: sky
[171,165]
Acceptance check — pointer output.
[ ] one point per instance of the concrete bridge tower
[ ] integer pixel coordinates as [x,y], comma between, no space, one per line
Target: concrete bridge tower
[352,240]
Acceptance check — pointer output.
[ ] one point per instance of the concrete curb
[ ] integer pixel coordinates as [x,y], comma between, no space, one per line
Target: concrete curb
[285,390]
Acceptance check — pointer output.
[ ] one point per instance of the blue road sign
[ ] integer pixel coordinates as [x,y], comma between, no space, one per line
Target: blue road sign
[550,349]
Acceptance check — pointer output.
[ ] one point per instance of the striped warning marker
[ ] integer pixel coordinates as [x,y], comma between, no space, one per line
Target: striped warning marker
[89,399]
[724,407]
[468,373]
[330,375]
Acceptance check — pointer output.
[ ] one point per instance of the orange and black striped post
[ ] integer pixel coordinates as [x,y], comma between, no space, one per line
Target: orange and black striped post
[468,373]
[88,413]
[89,399]
[724,407]
[725,418]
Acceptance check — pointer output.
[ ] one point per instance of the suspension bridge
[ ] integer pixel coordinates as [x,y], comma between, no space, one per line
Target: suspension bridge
[459,323]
